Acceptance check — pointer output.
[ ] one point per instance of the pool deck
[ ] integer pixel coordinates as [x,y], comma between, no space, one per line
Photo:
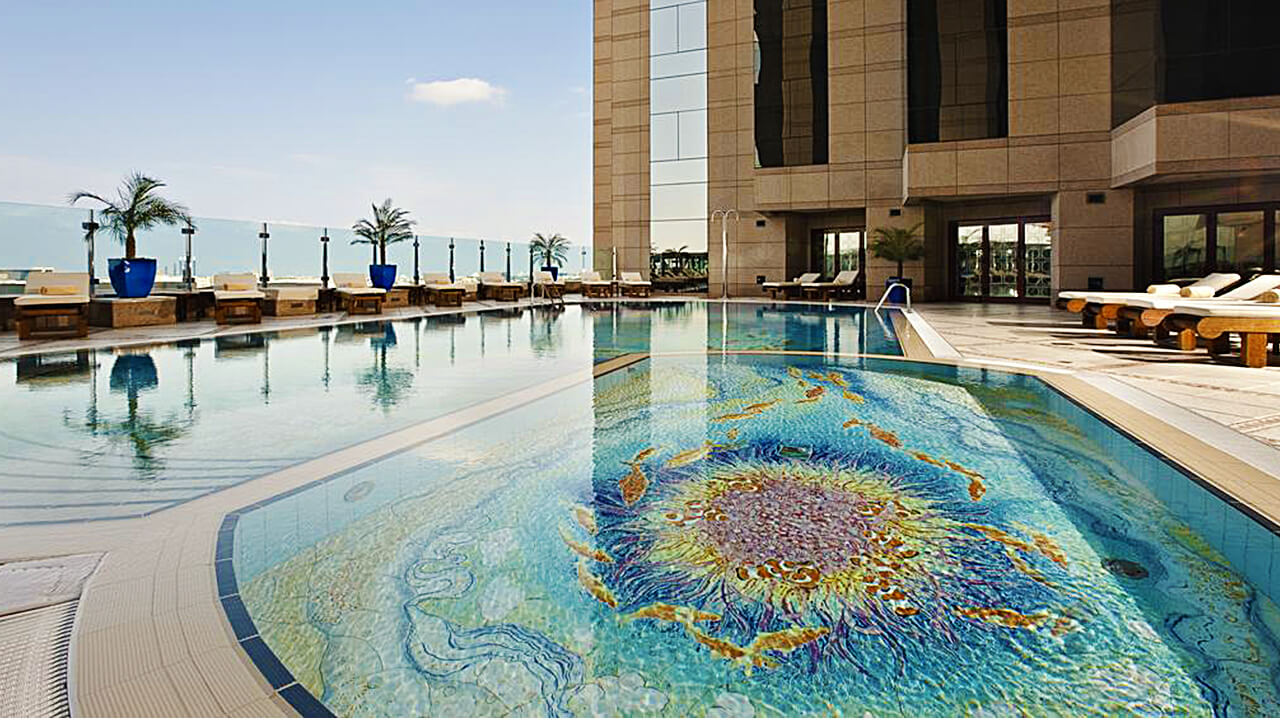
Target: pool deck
[151,636]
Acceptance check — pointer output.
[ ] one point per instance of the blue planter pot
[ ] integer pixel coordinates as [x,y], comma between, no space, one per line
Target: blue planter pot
[898,295]
[132,277]
[382,276]
[555,271]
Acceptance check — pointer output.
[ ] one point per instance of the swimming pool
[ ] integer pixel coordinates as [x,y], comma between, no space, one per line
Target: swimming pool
[102,434]
[753,533]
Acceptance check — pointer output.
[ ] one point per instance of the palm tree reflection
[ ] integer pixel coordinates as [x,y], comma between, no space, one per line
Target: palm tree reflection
[140,431]
[386,384]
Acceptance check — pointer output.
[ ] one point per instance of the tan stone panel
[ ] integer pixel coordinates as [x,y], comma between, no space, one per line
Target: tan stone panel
[931,169]
[1033,163]
[1085,113]
[1033,117]
[982,166]
[886,85]
[1087,36]
[847,118]
[1254,133]
[845,15]
[1192,137]
[884,12]
[1114,277]
[1070,209]
[1038,41]
[1035,79]
[810,188]
[885,115]
[848,87]
[884,184]
[1088,74]
[1085,161]
[1020,8]
[846,51]
[885,47]
[885,145]
[772,188]
[1093,245]
[848,186]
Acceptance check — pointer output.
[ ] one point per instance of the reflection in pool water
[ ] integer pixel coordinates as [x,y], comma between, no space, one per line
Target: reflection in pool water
[759,534]
[120,433]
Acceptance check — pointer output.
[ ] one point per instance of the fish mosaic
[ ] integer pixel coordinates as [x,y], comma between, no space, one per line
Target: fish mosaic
[922,550]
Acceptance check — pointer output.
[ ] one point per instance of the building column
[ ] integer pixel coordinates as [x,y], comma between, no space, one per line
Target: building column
[1092,238]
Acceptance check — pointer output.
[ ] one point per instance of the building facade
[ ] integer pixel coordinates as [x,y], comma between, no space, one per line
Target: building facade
[1036,144]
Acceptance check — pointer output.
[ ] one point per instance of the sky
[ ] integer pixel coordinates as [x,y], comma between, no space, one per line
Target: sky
[473,114]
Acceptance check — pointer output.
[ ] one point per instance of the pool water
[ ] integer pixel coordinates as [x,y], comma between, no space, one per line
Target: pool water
[102,434]
[759,534]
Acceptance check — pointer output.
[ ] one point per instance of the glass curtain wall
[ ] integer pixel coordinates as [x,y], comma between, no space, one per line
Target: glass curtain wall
[957,75]
[1193,242]
[791,97]
[678,126]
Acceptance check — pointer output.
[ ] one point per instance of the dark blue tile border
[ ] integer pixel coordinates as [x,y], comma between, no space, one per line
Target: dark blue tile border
[246,632]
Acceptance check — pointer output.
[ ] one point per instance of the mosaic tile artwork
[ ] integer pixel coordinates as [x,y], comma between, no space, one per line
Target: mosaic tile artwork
[769,535]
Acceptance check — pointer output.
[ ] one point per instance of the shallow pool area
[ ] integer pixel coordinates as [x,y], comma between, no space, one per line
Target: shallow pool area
[762,534]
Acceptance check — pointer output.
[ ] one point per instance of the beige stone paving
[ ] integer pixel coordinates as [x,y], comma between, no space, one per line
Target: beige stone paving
[1244,399]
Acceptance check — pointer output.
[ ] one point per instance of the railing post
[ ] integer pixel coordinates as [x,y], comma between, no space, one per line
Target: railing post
[265,236]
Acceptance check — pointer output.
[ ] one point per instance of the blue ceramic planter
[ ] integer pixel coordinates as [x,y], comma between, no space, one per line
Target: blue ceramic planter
[555,271]
[132,277]
[382,276]
[898,295]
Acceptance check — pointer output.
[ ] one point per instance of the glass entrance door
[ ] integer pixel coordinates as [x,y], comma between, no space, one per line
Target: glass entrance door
[835,251]
[1002,260]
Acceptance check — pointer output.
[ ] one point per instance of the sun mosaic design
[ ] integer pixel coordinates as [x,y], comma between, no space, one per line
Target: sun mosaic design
[771,537]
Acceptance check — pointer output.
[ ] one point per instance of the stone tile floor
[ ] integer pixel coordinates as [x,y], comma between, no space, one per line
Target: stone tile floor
[1244,399]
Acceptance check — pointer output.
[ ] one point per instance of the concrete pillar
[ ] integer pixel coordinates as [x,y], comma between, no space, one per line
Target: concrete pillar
[1092,237]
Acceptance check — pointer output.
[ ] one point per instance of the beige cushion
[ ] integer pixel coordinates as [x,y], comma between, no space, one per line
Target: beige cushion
[590,276]
[77,282]
[435,278]
[491,278]
[33,300]
[362,291]
[1253,288]
[1164,290]
[238,295]
[297,292]
[1197,291]
[350,280]
[59,290]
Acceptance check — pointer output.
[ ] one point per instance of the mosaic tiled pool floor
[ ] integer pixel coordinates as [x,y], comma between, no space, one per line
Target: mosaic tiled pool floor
[769,535]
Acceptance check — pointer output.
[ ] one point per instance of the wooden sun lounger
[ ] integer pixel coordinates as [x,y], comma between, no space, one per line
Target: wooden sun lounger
[54,304]
[358,298]
[1255,323]
[789,289]
[237,299]
[844,284]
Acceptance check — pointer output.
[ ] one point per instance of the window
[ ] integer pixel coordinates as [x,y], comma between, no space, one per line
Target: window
[1192,242]
[1179,51]
[678,125]
[791,113]
[957,77]
[1002,260]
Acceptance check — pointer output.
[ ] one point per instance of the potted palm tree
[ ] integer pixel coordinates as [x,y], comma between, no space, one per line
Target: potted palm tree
[137,206]
[897,244]
[389,225]
[552,249]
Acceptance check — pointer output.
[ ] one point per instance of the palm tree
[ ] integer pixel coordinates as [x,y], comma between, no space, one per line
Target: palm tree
[552,248]
[137,207]
[390,225]
[897,244]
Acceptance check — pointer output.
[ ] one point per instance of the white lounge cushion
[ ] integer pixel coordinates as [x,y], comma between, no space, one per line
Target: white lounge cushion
[1213,283]
[293,292]
[542,277]
[633,278]
[361,291]
[64,286]
[591,276]
[435,278]
[350,280]
[1241,310]
[846,277]
[235,282]
[1253,288]
[33,300]
[238,295]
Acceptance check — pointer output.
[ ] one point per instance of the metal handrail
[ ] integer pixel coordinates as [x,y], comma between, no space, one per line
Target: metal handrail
[885,296]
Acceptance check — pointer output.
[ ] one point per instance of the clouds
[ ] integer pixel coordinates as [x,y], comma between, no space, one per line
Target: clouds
[446,93]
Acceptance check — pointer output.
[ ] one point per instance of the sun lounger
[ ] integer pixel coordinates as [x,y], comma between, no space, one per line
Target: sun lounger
[493,286]
[844,284]
[53,304]
[593,286]
[790,289]
[1101,308]
[291,300]
[441,292]
[358,298]
[237,299]
[1144,314]
[550,288]
[1255,323]
[634,285]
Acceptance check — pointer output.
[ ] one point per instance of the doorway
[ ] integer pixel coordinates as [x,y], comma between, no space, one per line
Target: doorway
[834,251]
[1002,260]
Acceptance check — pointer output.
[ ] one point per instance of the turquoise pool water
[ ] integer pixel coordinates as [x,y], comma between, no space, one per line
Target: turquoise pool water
[757,534]
[119,433]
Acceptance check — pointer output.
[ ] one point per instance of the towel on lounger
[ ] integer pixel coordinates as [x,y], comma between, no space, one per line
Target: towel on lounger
[1163,289]
[1197,291]
[59,290]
